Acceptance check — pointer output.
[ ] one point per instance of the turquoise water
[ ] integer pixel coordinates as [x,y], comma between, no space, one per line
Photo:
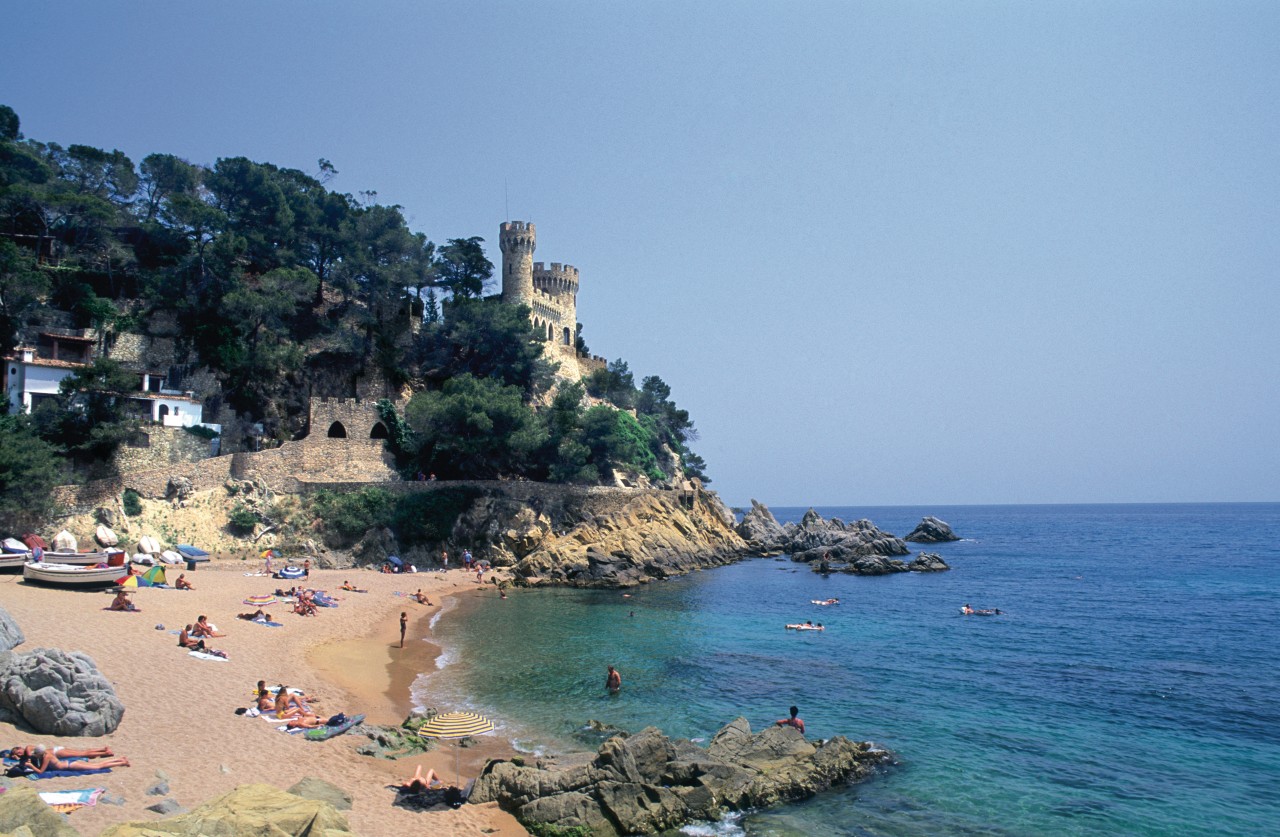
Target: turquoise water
[1130,689]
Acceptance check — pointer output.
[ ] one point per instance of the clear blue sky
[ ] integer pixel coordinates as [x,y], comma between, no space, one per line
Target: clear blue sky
[885,253]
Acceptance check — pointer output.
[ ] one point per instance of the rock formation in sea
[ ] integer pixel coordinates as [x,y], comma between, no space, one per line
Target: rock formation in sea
[931,530]
[760,529]
[648,783]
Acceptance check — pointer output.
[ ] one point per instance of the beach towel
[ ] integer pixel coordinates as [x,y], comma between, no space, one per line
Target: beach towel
[267,624]
[54,774]
[200,655]
[64,802]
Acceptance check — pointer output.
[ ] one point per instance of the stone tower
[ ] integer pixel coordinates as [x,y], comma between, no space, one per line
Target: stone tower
[517,241]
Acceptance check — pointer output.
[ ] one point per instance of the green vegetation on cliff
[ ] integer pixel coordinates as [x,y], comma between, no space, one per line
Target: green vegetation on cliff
[272,289]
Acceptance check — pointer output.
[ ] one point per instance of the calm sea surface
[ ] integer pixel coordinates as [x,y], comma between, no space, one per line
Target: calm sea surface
[1132,687]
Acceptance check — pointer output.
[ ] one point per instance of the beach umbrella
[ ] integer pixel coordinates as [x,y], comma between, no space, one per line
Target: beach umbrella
[127,581]
[262,601]
[155,575]
[454,726]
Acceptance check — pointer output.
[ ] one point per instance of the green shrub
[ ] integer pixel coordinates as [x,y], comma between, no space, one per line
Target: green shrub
[132,502]
[202,432]
[347,517]
[428,517]
[242,518]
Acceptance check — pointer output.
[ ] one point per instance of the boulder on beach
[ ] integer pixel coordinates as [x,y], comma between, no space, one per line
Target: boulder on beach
[931,530]
[58,693]
[23,812]
[249,809]
[11,635]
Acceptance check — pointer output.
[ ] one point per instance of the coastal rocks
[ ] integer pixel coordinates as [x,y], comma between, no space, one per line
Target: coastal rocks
[58,693]
[861,537]
[650,536]
[309,787]
[760,529]
[647,783]
[928,562]
[23,812]
[11,635]
[931,530]
[249,809]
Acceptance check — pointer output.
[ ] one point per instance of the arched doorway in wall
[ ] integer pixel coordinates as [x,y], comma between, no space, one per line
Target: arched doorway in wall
[379,431]
[337,431]
[164,411]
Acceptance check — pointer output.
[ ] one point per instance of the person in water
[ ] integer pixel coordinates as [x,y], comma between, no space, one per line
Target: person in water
[613,681]
[793,721]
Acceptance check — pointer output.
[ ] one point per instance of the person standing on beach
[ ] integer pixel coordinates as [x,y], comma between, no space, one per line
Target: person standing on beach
[444,559]
[404,624]
[613,681]
[306,568]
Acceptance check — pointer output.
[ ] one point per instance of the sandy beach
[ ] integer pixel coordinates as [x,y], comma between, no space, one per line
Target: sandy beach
[180,710]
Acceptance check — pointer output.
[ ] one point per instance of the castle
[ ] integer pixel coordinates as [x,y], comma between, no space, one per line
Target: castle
[551,292]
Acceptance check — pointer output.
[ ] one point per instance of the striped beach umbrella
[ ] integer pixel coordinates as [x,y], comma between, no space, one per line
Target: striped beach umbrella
[454,726]
[261,601]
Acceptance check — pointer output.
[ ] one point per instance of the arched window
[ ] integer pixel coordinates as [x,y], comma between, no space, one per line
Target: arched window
[337,431]
[568,341]
[379,431]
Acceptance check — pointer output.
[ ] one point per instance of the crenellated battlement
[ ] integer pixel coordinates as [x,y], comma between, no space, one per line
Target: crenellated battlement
[517,237]
[556,280]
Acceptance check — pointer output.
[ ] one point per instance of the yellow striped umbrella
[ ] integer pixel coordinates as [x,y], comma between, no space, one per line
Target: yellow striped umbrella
[452,726]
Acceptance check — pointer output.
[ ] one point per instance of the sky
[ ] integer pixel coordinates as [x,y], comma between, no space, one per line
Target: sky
[885,253]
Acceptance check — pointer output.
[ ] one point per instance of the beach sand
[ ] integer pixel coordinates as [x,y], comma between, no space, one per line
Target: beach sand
[180,711]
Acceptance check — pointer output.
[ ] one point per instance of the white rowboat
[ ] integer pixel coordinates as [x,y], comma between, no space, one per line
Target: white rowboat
[66,575]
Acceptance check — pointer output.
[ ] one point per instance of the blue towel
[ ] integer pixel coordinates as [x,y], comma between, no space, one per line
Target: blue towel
[51,774]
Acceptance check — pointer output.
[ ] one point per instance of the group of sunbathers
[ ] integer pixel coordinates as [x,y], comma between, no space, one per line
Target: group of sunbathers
[289,705]
[192,636]
[37,758]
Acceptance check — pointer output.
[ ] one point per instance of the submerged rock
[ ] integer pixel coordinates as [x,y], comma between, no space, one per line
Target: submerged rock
[931,530]
[647,783]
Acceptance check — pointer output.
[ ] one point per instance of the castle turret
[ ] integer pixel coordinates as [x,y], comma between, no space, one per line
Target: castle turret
[517,241]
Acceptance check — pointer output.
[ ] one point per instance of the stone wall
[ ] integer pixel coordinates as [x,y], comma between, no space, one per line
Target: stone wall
[156,446]
[153,484]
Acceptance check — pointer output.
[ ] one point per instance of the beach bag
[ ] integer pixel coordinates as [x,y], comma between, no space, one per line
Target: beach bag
[336,721]
[106,537]
[64,541]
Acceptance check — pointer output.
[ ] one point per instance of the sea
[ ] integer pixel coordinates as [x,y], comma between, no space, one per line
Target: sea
[1130,686]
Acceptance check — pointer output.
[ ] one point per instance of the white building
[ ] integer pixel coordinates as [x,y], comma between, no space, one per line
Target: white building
[32,374]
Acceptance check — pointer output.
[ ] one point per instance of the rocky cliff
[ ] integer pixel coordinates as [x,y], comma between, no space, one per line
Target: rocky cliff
[651,535]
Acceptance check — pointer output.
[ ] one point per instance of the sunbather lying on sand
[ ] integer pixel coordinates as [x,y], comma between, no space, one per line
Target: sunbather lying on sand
[252,617]
[43,759]
[304,722]
[62,752]
[417,782]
